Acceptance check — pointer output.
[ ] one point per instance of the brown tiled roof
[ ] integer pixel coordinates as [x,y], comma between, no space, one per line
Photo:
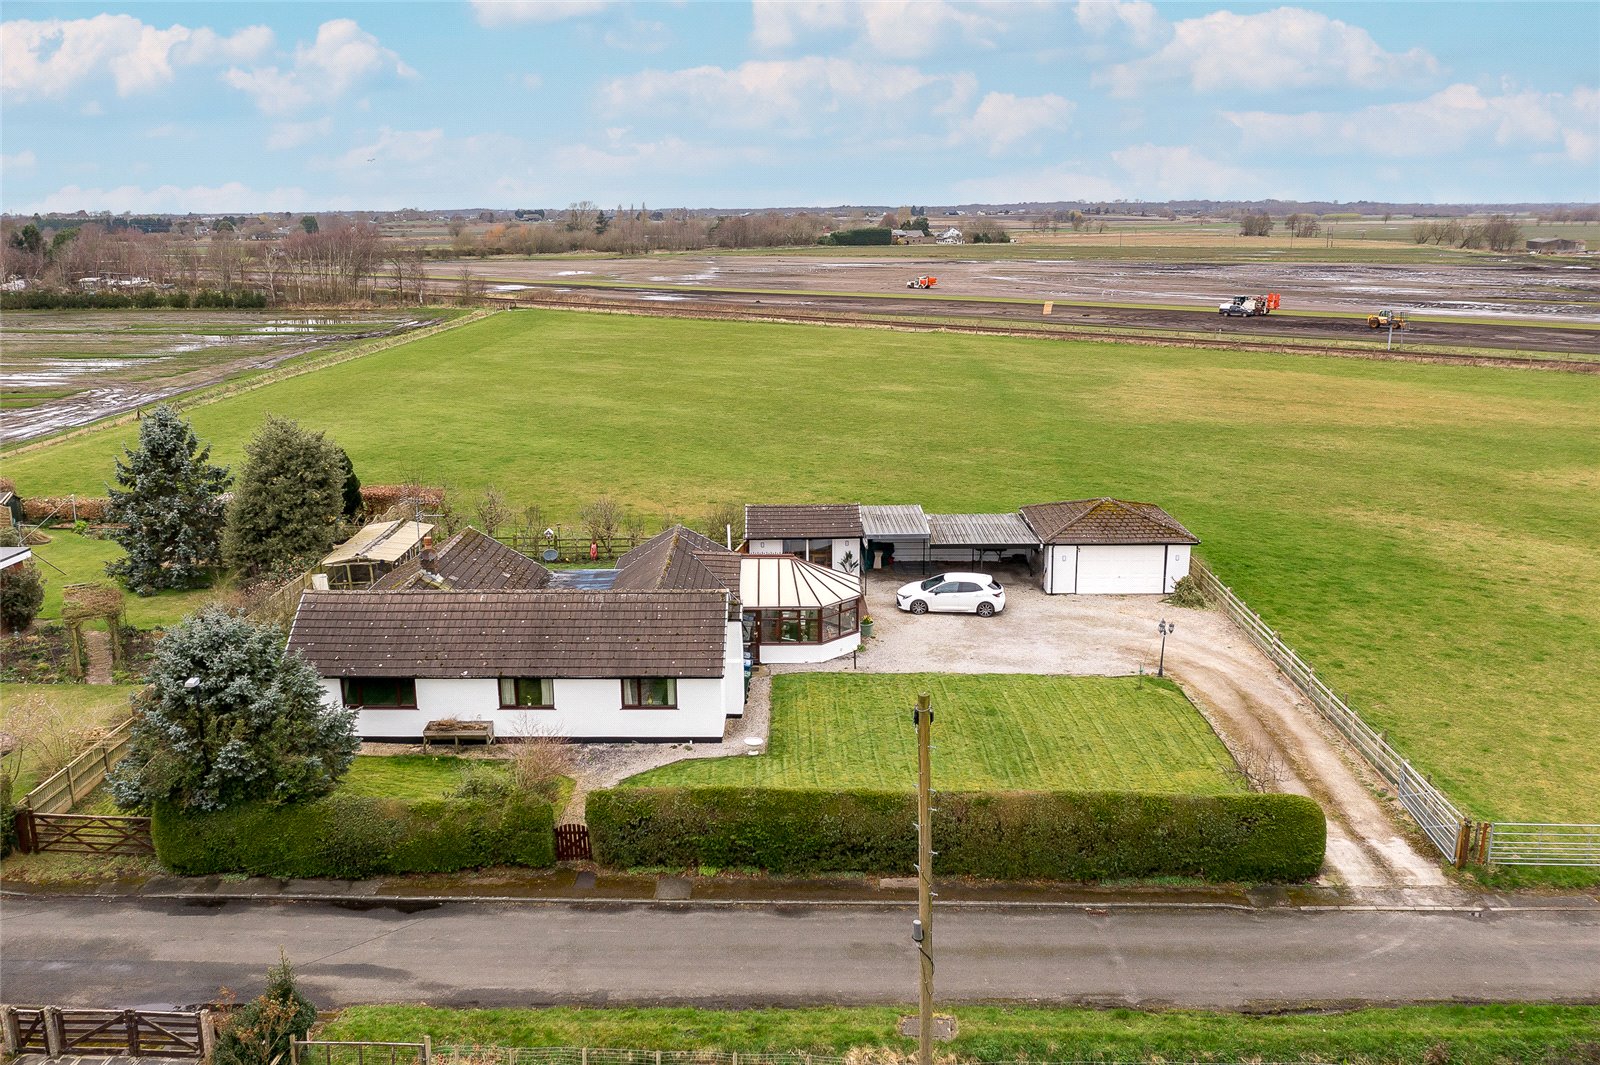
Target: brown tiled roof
[770,521]
[1105,521]
[677,559]
[514,633]
[470,561]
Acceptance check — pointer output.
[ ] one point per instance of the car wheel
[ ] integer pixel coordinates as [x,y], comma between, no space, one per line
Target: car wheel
[986,610]
[919,607]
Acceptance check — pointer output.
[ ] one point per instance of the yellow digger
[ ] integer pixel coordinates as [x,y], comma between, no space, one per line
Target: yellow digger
[1385,320]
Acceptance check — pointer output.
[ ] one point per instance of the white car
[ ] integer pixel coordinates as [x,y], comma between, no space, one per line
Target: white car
[953,593]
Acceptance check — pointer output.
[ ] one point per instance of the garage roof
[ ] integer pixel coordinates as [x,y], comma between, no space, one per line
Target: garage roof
[772,521]
[980,530]
[1105,521]
[894,523]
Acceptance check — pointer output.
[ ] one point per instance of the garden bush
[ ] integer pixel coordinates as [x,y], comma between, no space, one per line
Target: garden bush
[350,837]
[993,835]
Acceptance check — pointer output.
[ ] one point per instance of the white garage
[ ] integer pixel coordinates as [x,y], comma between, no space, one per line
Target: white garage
[1109,547]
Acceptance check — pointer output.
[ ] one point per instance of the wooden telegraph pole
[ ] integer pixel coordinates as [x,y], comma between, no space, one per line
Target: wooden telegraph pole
[923,931]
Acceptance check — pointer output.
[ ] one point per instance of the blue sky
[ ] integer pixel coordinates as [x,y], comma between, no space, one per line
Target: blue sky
[304,106]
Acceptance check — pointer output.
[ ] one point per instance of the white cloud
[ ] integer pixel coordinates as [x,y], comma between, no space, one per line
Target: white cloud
[23,160]
[1455,119]
[796,94]
[1001,120]
[898,27]
[1288,48]
[407,147]
[511,12]
[203,199]
[1141,172]
[49,57]
[1139,19]
[342,55]
[287,135]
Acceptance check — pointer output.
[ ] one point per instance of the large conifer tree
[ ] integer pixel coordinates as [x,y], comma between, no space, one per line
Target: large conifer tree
[251,725]
[287,508]
[169,504]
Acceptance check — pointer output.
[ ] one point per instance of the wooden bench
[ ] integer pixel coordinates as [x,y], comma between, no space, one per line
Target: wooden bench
[453,731]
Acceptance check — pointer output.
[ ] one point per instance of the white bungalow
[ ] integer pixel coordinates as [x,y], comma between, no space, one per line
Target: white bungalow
[600,666]
[828,534]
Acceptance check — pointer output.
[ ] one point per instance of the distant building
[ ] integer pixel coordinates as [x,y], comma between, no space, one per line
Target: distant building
[950,236]
[908,236]
[1556,246]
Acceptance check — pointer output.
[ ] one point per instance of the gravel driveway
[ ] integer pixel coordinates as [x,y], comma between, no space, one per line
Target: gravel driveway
[1240,692]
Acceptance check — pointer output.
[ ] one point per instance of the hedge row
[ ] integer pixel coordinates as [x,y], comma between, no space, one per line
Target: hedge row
[350,837]
[863,235]
[49,299]
[377,498]
[999,836]
[61,508]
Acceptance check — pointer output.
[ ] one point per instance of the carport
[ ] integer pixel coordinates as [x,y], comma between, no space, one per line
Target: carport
[894,534]
[976,538]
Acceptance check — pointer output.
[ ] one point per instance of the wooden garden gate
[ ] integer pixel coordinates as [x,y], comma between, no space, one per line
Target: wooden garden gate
[572,843]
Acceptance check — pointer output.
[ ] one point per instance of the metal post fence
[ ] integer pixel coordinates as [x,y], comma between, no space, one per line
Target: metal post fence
[1451,831]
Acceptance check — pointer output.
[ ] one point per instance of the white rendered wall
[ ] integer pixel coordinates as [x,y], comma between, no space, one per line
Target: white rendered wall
[584,709]
[766,547]
[809,652]
[1177,564]
[733,670]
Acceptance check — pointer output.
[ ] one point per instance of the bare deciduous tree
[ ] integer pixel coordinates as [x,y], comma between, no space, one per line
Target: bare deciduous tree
[601,520]
[492,510]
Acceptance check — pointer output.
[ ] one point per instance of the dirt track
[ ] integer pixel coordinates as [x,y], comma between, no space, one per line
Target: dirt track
[1520,302]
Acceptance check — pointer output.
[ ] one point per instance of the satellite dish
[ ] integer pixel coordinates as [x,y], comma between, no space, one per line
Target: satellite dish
[551,554]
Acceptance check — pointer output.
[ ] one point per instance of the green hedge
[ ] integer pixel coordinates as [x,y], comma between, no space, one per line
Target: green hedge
[864,235]
[49,299]
[1000,836]
[349,837]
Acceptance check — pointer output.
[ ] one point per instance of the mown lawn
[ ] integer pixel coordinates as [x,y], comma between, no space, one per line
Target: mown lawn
[1423,534]
[1462,1035]
[991,732]
[72,559]
[408,776]
[71,706]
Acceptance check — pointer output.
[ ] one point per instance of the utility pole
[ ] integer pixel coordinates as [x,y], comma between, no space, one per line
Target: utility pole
[922,932]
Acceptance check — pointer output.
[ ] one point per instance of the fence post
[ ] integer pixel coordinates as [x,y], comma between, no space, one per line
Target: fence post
[55,1036]
[208,1037]
[10,1031]
[427,1048]
[1485,838]
[130,1025]
[1463,842]
[27,840]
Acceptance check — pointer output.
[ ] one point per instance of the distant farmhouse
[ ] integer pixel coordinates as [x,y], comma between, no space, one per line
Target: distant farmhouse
[1557,246]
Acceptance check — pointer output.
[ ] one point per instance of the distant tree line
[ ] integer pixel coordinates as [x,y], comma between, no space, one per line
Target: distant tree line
[1498,233]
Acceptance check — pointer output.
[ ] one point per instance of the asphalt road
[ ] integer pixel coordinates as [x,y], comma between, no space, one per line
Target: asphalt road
[159,953]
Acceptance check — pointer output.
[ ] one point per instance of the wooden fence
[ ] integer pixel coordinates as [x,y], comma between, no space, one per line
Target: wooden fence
[60,792]
[1456,836]
[279,606]
[57,1032]
[344,1052]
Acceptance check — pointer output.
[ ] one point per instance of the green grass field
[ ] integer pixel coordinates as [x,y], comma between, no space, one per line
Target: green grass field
[995,732]
[1461,1035]
[72,559]
[1422,534]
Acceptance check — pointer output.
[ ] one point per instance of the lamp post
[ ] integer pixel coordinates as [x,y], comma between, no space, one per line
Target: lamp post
[1165,628]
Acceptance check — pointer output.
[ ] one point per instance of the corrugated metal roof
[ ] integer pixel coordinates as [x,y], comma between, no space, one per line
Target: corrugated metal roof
[512,634]
[383,541]
[894,523]
[980,530]
[771,582]
[1105,521]
[772,521]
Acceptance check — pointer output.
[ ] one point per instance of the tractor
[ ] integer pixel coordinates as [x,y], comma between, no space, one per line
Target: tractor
[1385,320]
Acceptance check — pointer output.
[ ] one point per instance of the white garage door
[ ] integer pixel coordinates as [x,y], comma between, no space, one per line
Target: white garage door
[1121,569]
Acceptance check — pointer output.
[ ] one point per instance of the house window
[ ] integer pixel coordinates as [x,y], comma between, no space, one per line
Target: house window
[795,547]
[821,553]
[535,692]
[380,692]
[639,692]
[810,625]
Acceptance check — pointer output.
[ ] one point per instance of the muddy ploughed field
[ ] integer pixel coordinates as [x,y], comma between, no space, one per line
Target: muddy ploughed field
[1500,306]
[64,369]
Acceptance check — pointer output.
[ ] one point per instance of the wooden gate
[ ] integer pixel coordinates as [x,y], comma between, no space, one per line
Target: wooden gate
[58,1032]
[83,833]
[572,843]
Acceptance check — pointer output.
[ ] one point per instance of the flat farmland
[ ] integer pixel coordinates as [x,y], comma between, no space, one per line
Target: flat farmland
[995,733]
[1423,534]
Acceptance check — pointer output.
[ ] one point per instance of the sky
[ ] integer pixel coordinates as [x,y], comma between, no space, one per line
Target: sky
[237,106]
